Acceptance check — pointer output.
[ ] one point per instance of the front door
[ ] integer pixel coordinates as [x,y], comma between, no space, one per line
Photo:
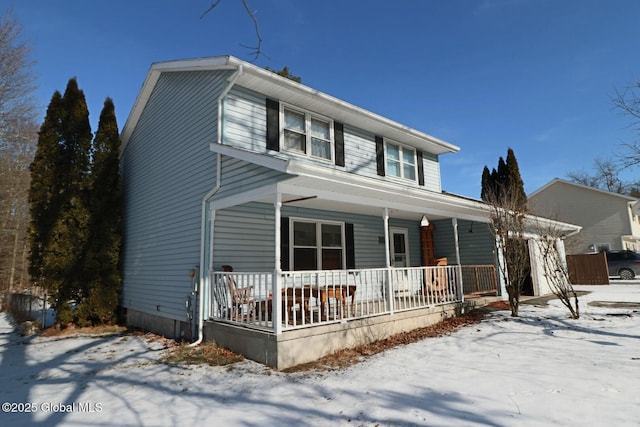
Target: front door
[399,247]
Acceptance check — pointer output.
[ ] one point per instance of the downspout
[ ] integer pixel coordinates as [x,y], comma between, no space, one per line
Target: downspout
[203,214]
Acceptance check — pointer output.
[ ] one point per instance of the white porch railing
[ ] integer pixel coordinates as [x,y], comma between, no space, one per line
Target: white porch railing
[311,298]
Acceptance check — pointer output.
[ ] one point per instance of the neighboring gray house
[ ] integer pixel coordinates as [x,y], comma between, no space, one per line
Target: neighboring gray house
[609,220]
[331,216]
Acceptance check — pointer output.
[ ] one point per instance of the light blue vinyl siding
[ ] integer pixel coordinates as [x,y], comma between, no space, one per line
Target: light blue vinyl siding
[167,170]
[476,247]
[244,126]
[360,152]
[431,172]
[244,236]
[239,176]
[245,120]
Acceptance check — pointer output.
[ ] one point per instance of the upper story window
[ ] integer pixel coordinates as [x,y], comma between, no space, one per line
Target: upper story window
[401,161]
[307,134]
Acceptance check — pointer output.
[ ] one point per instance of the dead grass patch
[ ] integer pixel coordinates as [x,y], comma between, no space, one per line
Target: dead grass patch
[204,353]
[72,330]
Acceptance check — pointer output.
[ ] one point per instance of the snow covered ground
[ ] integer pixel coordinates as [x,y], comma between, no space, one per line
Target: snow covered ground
[541,369]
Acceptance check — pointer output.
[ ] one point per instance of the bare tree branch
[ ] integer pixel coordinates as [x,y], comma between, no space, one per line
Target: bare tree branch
[256,50]
[210,8]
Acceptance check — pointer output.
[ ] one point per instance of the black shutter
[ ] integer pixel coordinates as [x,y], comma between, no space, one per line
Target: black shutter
[273,125]
[349,246]
[284,244]
[338,135]
[420,168]
[380,155]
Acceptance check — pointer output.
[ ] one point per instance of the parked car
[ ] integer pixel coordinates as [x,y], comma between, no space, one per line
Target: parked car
[625,264]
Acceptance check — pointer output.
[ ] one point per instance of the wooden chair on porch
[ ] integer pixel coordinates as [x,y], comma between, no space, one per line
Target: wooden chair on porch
[241,297]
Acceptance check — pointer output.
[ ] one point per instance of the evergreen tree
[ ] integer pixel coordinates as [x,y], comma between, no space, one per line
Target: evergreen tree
[486,184]
[102,262]
[46,179]
[514,180]
[503,192]
[60,196]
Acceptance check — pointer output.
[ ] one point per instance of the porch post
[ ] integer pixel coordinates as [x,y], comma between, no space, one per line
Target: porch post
[454,221]
[276,293]
[387,257]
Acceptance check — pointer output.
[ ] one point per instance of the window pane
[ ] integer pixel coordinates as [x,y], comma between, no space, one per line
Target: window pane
[393,168]
[294,141]
[304,259]
[399,246]
[320,148]
[408,156]
[320,129]
[331,259]
[393,152]
[331,235]
[304,234]
[409,171]
[294,121]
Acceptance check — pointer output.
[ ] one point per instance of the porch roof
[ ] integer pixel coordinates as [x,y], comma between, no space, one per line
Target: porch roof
[318,187]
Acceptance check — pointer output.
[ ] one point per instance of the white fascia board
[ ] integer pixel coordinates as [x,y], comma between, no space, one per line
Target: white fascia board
[372,192]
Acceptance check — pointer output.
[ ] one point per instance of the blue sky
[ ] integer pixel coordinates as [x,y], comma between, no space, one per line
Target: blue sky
[485,75]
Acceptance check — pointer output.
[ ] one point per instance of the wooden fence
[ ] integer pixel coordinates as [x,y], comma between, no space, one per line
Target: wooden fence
[588,269]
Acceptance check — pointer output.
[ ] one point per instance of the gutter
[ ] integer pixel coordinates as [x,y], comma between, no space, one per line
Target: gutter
[205,202]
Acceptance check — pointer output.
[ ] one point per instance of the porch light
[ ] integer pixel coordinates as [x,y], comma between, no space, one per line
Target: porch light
[424,222]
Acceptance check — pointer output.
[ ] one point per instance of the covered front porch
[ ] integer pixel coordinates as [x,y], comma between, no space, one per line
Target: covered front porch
[287,318]
[297,252]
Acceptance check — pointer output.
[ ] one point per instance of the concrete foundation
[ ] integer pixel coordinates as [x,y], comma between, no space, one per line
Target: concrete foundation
[169,328]
[304,345]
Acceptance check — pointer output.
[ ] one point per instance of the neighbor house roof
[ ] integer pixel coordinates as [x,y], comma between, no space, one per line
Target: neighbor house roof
[558,181]
[273,85]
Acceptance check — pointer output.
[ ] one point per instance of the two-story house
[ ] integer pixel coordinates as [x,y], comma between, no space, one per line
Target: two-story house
[285,223]
[610,221]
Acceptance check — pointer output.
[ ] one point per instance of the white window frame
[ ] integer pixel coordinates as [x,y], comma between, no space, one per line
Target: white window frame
[308,117]
[401,149]
[599,247]
[319,247]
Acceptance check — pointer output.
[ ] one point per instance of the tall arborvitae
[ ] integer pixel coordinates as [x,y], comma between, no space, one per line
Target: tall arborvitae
[503,181]
[99,305]
[61,224]
[514,180]
[486,184]
[47,172]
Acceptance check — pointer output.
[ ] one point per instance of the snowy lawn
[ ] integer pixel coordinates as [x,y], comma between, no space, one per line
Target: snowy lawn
[537,370]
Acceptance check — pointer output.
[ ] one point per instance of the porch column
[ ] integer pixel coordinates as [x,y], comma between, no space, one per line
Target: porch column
[276,293]
[387,257]
[454,222]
